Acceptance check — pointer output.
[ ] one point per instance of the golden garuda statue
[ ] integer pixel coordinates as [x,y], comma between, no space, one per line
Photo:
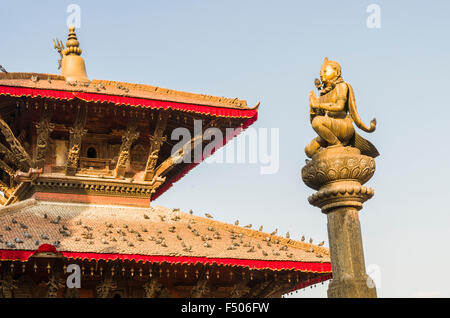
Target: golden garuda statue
[333,113]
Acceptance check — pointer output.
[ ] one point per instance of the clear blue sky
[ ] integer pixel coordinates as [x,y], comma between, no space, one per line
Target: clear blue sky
[271,52]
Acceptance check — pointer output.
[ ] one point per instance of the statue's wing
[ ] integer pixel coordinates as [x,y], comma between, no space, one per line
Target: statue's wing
[365,146]
[354,112]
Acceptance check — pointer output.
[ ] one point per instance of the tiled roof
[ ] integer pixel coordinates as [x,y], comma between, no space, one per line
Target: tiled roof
[57,82]
[155,231]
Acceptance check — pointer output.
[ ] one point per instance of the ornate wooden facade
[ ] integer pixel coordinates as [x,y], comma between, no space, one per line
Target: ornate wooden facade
[77,141]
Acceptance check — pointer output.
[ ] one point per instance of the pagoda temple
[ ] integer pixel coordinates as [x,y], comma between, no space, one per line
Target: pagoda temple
[80,162]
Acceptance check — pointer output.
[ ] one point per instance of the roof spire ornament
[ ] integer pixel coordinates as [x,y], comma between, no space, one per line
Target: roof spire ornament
[72,44]
[72,64]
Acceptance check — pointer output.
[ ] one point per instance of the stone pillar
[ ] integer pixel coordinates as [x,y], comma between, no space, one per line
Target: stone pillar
[338,173]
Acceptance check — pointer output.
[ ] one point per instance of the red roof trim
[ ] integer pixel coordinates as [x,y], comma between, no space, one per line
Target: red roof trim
[129,101]
[22,255]
[312,281]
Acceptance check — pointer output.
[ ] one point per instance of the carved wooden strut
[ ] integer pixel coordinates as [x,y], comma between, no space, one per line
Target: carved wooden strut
[76,134]
[20,154]
[156,140]
[43,129]
[8,155]
[124,153]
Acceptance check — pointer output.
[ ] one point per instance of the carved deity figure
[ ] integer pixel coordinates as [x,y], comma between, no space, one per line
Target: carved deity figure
[202,289]
[7,285]
[154,289]
[55,282]
[333,113]
[105,287]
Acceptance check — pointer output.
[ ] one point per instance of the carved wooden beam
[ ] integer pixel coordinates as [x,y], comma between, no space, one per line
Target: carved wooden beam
[23,158]
[43,129]
[76,134]
[156,140]
[5,167]
[31,175]
[124,153]
[8,155]
[181,156]
[17,192]
[7,190]
[166,166]
[21,137]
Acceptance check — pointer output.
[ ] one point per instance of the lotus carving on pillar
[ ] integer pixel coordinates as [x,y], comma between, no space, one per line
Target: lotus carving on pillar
[348,164]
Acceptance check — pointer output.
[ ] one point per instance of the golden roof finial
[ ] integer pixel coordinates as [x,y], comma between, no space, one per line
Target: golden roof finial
[72,64]
[72,44]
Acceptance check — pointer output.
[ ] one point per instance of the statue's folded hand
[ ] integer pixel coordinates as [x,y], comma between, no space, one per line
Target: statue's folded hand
[312,100]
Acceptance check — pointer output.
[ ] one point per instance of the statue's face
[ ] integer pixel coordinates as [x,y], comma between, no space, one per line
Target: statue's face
[327,73]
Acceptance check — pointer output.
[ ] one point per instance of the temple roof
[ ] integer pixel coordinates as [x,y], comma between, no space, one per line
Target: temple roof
[58,82]
[19,90]
[108,232]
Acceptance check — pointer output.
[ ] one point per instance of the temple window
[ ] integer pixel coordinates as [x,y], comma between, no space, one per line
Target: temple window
[92,153]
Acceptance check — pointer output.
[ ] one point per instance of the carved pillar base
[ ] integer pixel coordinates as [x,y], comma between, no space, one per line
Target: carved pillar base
[338,174]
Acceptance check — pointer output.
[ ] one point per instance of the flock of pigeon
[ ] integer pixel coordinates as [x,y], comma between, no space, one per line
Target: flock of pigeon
[115,233]
[27,236]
